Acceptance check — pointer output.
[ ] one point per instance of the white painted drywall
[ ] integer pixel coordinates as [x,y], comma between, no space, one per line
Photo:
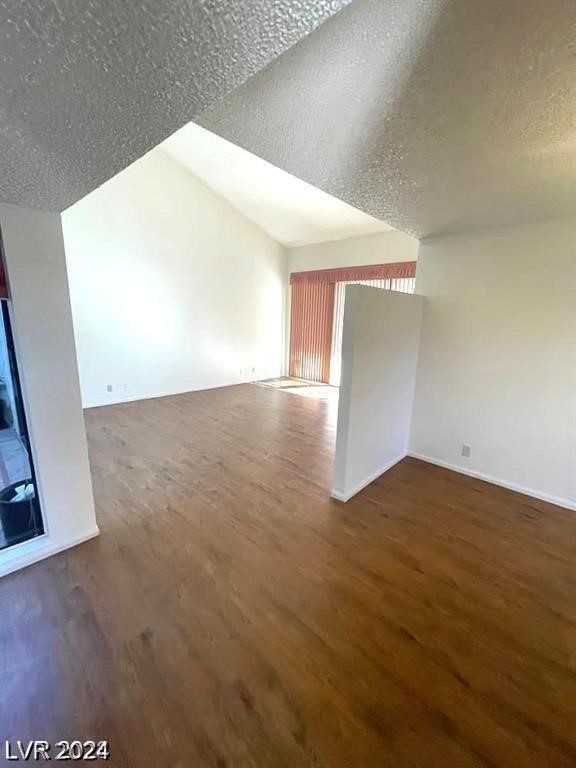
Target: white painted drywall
[379,358]
[381,248]
[497,368]
[172,288]
[289,210]
[44,340]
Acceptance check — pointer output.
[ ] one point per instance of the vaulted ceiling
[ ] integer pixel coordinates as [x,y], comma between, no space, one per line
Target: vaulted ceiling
[435,116]
[289,210]
[89,86]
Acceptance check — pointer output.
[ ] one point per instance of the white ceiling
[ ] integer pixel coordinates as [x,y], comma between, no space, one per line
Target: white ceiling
[436,116]
[288,209]
[89,86]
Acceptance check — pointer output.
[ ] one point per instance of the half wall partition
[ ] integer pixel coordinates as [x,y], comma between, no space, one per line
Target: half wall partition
[317,312]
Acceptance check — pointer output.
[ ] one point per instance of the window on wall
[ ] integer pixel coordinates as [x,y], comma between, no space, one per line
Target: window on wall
[317,314]
[20,514]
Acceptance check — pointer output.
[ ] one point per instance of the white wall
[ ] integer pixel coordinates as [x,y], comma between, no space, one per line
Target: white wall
[379,358]
[381,248]
[43,336]
[172,288]
[497,368]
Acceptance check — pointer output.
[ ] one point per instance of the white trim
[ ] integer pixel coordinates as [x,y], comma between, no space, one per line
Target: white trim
[346,496]
[560,502]
[30,552]
[137,398]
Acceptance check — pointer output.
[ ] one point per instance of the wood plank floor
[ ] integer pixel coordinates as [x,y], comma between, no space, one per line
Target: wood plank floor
[230,614]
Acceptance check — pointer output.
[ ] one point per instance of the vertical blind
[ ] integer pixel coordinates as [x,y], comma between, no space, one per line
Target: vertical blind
[317,314]
[311,326]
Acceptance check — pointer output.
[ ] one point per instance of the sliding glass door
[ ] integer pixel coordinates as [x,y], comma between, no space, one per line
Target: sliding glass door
[312,309]
[20,514]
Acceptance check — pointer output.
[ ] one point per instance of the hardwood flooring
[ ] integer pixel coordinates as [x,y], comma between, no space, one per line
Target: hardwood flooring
[231,614]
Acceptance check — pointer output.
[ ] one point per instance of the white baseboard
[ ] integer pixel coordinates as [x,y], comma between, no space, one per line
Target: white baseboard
[560,502]
[136,398]
[347,495]
[35,550]
[158,396]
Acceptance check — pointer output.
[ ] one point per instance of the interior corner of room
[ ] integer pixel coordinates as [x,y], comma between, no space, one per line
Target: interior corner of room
[288,381]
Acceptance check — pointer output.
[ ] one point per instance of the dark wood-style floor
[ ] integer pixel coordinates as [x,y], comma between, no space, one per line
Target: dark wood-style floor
[230,614]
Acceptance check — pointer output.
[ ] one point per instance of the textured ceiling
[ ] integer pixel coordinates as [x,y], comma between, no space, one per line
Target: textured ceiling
[434,115]
[88,86]
[287,208]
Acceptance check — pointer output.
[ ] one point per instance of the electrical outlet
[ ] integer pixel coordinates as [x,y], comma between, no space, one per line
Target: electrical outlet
[109,387]
[466,450]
